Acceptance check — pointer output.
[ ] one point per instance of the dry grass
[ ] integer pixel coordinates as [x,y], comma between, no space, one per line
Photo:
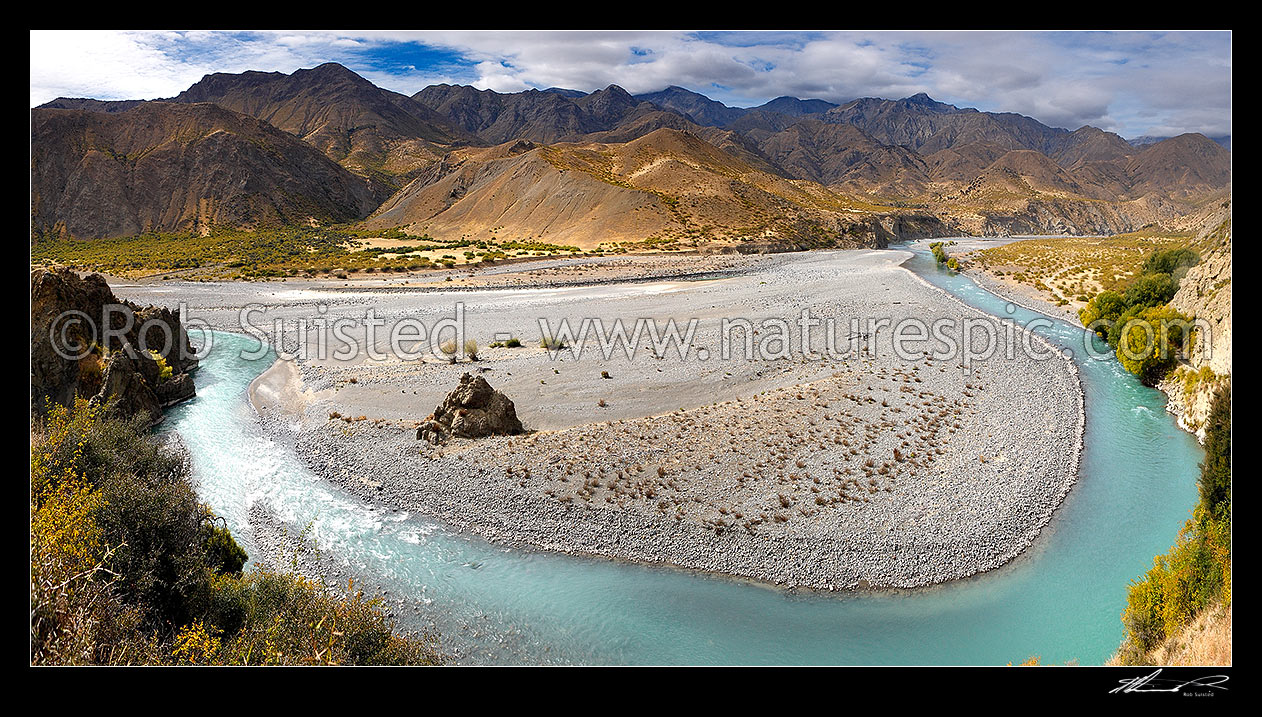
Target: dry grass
[1072,270]
[1207,641]
[1204,641]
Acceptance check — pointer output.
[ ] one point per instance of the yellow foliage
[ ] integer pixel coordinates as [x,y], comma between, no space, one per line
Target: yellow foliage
[164,370]
[67,549]
[196,645]
[79,616]
[62,502]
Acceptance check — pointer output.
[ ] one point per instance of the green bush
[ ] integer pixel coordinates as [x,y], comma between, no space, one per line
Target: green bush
[1106,306]
[1150,290]
[1126,319]
[939,254]
[225,556]
[1215,480]
[1171,261]
[1149,341]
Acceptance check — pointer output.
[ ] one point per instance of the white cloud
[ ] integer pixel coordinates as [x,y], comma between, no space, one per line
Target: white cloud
[1134,83]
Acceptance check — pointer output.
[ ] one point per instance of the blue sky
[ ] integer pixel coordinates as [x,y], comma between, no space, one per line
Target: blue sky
[1132,83]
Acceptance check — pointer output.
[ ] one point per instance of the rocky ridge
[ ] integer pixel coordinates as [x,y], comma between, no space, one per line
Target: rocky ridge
[87,343]
[1204,294]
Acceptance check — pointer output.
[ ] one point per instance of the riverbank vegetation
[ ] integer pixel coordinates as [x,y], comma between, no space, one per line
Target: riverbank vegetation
[940,255]
[1071,271]
[128,567]
[1189,588]
[1147,335]
[280,252]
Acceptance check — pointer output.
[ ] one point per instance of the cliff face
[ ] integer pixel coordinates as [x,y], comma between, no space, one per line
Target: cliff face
[87,343]
[1204,294]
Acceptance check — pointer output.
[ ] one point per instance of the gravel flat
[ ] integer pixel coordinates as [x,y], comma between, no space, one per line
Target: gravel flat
[859,469]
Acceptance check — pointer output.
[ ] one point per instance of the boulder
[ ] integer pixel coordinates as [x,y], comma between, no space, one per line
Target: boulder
[472,410]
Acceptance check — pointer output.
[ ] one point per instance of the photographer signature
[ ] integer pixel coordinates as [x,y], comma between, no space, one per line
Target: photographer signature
[1151,683]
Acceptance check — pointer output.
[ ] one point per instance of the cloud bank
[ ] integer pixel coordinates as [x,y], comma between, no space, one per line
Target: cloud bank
[1133,83]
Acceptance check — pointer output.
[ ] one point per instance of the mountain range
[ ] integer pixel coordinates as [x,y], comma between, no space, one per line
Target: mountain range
[326,145]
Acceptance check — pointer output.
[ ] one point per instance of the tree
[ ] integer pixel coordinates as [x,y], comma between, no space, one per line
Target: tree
[939,254]
[1150,290]
[1149,341]
[1107,305]
[1171,261]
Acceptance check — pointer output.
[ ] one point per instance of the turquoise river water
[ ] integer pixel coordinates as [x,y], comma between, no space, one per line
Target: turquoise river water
[1060,600]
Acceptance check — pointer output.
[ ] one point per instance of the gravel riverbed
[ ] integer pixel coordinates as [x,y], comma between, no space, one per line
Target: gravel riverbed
[857,469]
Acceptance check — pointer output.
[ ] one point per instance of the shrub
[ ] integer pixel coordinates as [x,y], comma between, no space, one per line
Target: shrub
[127,567]
[448,348]
[1215,481]
[939,254]
[1149,341]
[225,556]
[1106,306]
[1197,570]
[270,618]
[1171,261]
[471,349]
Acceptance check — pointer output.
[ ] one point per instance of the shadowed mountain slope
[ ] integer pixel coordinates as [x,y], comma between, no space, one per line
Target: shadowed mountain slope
[373,132]
[175,168]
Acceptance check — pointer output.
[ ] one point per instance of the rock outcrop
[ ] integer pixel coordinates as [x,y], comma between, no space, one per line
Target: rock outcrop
[472,410]
[86,343]
[125,392]
[1204,294]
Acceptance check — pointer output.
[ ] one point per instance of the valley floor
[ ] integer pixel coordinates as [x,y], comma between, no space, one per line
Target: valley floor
[833,472]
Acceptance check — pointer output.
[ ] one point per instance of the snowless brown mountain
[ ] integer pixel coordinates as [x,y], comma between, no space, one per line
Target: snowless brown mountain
[326,145]
[169,167]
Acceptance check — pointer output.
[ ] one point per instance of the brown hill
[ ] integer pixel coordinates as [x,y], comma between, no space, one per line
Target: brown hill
[693,105]
[787,159]
[1041,174]
[926,125]
[610,106]
[535,115]
[962,163]
[1186,166]
[666,186]
[644,121]
[1088,144]
[174,168]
